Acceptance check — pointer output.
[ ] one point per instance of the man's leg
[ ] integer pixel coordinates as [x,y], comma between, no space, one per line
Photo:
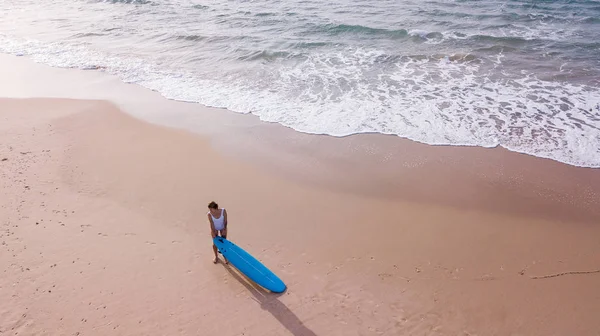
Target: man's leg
[224,235]
[215,251]
[213,234]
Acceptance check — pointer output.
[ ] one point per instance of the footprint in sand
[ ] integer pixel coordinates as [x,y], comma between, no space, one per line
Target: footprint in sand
[384,275]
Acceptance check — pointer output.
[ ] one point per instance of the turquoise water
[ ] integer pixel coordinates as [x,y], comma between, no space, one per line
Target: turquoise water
[524,75]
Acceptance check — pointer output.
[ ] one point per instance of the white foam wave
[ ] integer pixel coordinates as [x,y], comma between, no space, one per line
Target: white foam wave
[449,101]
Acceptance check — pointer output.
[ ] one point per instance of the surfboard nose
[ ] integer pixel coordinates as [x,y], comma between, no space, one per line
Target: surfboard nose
[278,287]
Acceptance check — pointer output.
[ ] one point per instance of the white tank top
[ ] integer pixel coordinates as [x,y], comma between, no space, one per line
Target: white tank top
[219,223]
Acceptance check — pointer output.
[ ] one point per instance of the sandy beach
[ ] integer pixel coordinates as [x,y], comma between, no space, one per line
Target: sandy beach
[104,231]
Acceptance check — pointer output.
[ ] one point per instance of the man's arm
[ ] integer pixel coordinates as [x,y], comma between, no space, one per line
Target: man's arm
[213,232]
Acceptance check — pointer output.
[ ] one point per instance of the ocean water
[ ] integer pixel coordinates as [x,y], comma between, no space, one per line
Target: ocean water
[524,75]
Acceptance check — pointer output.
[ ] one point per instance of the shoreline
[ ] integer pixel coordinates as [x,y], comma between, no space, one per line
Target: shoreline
[105,215]
[243,119]
[375,165]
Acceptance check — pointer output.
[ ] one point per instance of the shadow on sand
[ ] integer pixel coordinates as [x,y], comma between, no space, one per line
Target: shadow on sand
[270,302]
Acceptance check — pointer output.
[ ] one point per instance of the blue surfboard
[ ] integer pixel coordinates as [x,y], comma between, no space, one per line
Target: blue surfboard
[249,266]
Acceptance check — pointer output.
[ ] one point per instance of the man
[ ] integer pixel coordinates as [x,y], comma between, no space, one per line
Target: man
[218,225]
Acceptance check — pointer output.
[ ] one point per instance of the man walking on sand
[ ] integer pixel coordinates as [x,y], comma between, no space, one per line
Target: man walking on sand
[218,225]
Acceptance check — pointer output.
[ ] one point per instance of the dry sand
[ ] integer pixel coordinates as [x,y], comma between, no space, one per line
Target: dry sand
[103,232]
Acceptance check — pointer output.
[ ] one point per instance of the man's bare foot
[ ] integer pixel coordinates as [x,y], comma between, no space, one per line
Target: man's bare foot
[215,260]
